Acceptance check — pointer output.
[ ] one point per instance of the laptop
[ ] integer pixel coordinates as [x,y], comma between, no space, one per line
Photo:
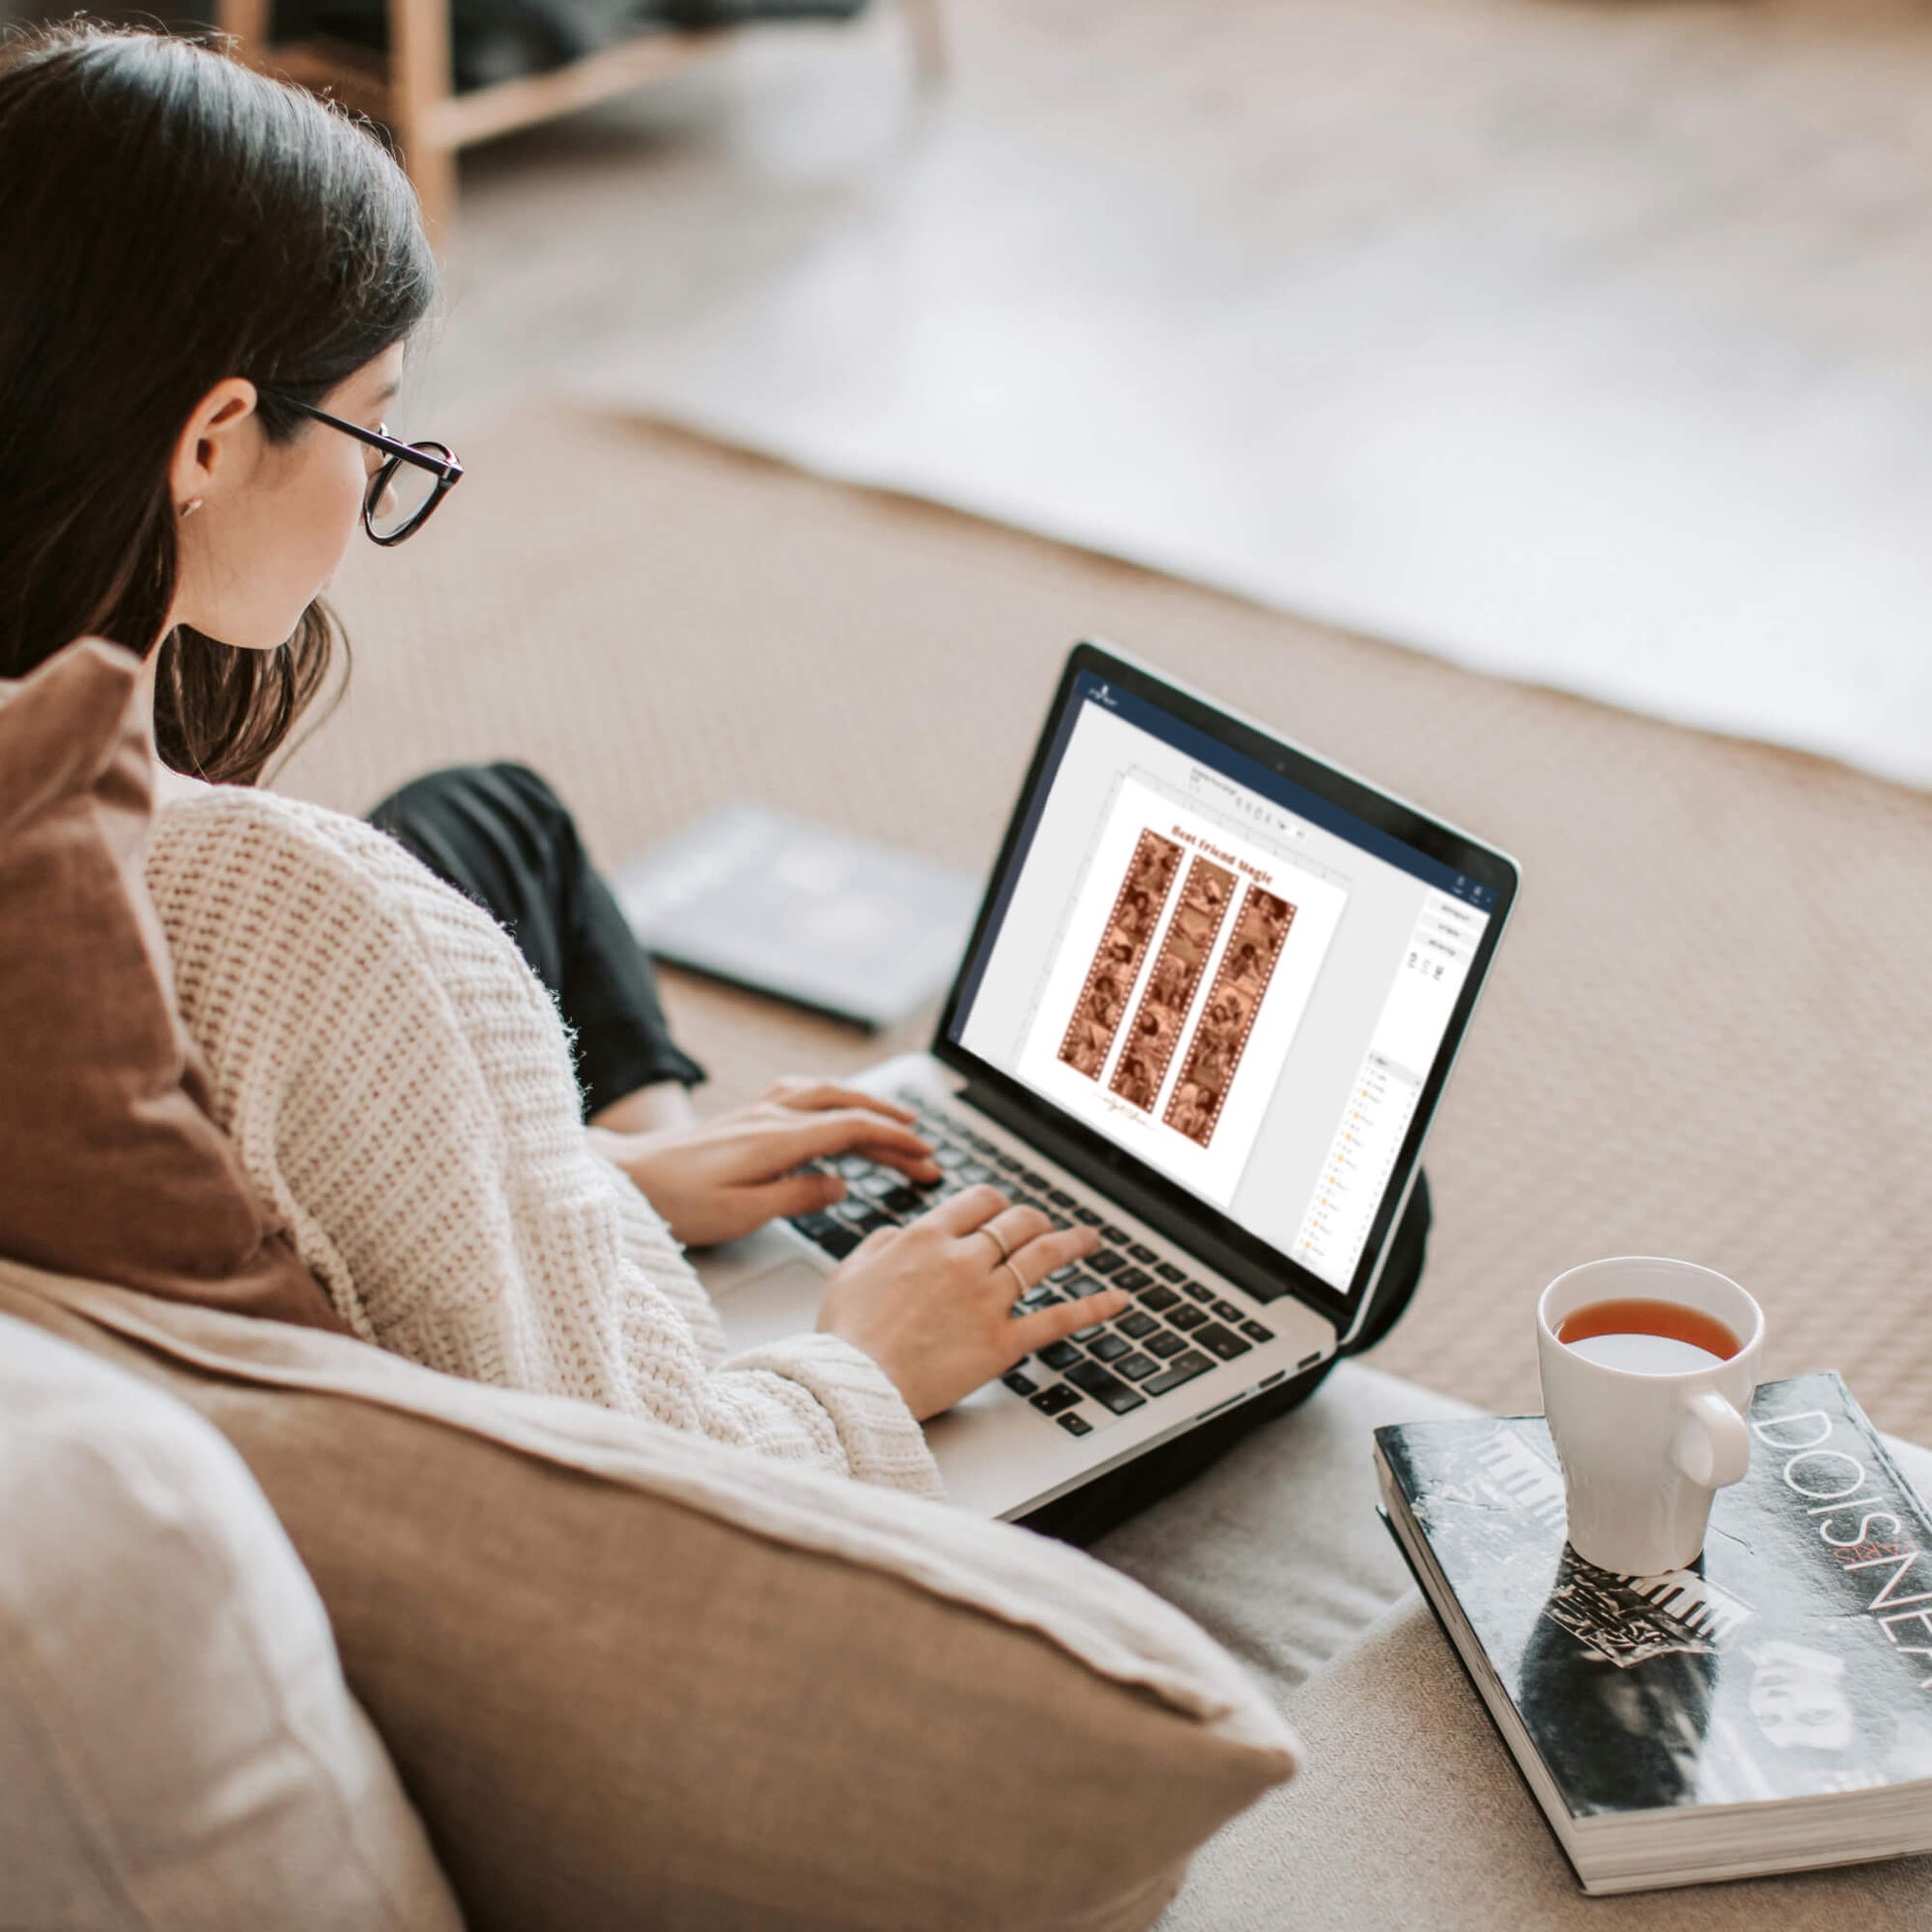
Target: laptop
[1208,1007]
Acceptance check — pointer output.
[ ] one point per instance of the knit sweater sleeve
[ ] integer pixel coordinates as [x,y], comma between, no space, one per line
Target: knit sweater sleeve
[400,1088]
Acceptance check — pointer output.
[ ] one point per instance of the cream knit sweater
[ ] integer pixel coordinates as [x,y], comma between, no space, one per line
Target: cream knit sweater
[401,1090]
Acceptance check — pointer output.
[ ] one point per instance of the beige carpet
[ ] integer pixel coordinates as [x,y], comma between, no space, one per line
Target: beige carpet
[1707,1032]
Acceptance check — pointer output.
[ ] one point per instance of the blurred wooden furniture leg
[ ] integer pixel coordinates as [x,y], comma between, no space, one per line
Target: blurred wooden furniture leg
[931,53]
[247,23]
[420,82]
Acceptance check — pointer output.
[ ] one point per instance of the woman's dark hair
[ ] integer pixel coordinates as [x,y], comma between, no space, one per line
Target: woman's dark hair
[168,218]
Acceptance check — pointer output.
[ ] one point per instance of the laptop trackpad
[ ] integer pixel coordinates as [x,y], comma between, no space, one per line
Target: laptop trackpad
[763,1288]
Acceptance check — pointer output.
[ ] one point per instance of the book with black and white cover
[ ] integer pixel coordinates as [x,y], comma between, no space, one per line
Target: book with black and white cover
[1768,1709]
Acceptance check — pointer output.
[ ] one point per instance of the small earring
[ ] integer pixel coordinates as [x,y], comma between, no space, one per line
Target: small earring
[191,506]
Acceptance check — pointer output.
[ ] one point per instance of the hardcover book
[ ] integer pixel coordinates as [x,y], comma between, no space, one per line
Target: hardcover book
[1767,1710]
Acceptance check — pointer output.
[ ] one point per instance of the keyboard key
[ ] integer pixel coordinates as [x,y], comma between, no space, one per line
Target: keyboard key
[1060,1197]
[1105,1386]
[1224,1342]
[1133,1278]
[1103,1261]
[1117,1234]
[1184,1318]
[1088,1216]
[1059,1355]
[1049,1402]
[1075,1425]
[1163,1344]
[1033,1179]
[1256,1332]
[1169,1273]
[1230,1312]
[1184,1368]
[1198,1291]
[1135,1368]
[948,1157]
[1158,1297]
[1146,1256]
[1088,1332]
[1107,1349]
[904,1200]
[1137,1325]
[863,1218]
[1020,1381]
[834,1237]
[1072,1287]
[975,1174]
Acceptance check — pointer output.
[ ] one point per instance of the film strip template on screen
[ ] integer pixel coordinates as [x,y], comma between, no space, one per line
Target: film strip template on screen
[1180,977]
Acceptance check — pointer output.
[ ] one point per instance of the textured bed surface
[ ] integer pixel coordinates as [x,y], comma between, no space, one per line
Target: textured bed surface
[1708,1032]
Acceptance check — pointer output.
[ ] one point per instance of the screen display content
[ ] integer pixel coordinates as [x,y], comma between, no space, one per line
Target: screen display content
[1232,980]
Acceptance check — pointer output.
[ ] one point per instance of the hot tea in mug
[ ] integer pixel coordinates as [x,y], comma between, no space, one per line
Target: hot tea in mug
[1645,1336]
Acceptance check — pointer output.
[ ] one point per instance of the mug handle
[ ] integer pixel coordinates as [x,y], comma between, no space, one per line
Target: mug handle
[1711,1445]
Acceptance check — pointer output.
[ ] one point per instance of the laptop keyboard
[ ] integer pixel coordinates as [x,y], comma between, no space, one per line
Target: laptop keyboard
[1176,1328]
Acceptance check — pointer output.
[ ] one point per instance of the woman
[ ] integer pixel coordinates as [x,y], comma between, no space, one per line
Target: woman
[210,282]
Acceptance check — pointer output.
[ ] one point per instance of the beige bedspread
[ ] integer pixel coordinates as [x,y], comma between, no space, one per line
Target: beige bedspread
[1707,1033]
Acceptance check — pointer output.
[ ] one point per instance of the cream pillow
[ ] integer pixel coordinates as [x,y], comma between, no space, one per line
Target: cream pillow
[176,1746]
[632,1677]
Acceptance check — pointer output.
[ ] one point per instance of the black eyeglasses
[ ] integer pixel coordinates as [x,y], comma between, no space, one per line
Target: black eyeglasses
[405,490]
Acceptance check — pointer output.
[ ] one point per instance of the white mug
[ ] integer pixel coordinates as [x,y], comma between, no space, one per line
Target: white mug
[1644,1451]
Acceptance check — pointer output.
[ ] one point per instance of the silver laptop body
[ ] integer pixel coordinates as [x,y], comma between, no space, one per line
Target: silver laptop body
[1210,1003]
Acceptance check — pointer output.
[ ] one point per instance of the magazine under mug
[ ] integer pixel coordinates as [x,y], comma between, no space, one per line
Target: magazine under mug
[1767,1708]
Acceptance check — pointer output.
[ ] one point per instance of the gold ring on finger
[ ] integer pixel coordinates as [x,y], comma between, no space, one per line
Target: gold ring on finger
[994,1235]
[1018,1280]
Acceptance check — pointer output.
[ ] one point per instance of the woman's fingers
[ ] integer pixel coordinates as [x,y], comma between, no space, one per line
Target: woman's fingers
[814,1095]
[876,1239]
[1032,1332]
[1048,1249]
[969,1209]
[792,1193]
[1013,1228]
[848,1130]
[1030,1238]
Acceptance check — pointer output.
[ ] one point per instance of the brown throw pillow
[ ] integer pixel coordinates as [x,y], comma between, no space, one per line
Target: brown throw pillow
[110,1164]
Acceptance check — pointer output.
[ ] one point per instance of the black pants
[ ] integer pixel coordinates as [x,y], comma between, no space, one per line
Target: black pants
[500,836]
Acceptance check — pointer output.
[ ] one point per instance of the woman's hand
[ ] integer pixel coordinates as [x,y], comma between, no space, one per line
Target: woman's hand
[722,1178]
[931,1302]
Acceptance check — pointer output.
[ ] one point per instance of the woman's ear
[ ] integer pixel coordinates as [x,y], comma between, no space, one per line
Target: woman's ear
[217,447]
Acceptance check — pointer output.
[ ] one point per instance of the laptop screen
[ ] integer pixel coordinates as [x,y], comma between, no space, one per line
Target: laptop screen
[1226,975]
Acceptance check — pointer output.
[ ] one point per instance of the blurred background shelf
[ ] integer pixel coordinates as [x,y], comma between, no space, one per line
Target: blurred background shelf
[413,93]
